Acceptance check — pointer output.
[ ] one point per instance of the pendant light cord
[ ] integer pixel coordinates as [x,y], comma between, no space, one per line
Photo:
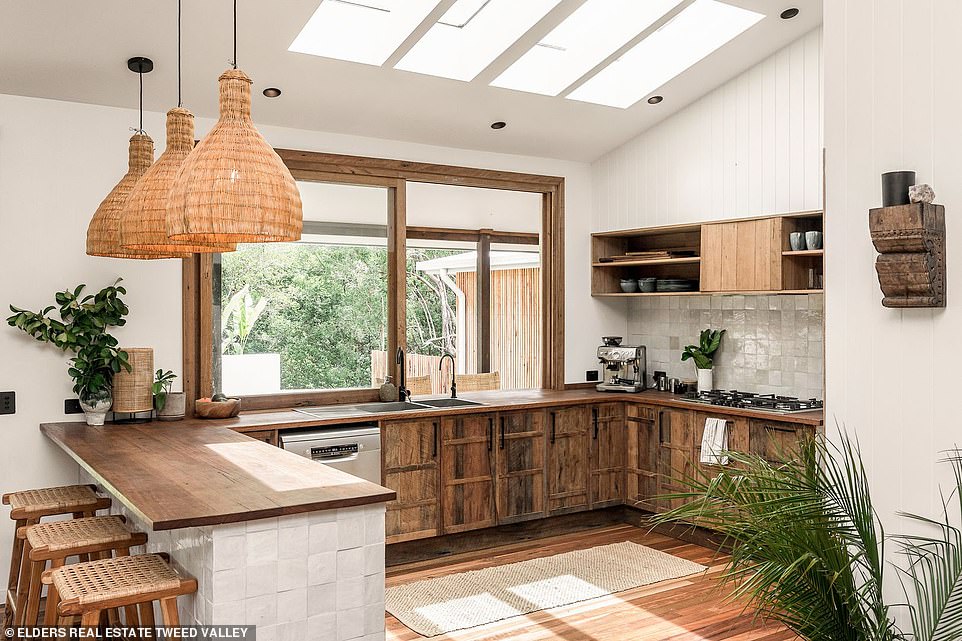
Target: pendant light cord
[140,74]
[180,102]
[235,34]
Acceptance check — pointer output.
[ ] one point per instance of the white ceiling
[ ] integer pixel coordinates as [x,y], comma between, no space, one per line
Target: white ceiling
[77,51]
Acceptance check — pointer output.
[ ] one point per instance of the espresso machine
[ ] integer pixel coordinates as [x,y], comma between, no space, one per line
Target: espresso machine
[623,367]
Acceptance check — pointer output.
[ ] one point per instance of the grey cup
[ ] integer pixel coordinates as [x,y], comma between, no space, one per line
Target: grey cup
[797,241]
[813,239]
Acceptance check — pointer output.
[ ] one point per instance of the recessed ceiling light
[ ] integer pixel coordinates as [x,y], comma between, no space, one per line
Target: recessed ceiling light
[654,100]
[693,34]
[499,124]
[365,31]
[272,92]
[788,14]
[471,35]
[589,35]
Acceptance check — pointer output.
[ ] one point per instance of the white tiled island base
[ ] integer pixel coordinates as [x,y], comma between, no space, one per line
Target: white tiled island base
[317,576]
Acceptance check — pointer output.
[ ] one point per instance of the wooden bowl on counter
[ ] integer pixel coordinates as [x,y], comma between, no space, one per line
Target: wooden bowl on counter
[205,408]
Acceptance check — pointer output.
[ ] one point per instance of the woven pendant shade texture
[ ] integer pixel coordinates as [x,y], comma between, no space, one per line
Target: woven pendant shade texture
[234,187]
[103,234]
[143,221]
[132,391]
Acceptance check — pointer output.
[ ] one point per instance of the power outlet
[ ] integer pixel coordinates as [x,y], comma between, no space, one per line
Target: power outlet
[8,402]
[591,375]
[72,406]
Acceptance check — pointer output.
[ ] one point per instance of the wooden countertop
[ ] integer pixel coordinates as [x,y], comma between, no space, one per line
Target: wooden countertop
[498,401]
[194,473]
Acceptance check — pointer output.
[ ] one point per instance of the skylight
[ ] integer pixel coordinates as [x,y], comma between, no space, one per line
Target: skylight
[689,37]
[366,31]
[471,35]
[589,35]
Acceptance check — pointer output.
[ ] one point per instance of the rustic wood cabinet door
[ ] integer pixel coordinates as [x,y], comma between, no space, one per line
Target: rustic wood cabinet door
[676,452]
[775,441]
[738,440]
[521,466]
[607,455]
[409,451]
[568,432]
[742,256]
[467,472]
[642,452]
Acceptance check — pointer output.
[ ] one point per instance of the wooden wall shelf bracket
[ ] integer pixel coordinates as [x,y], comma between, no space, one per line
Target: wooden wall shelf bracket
[910,240]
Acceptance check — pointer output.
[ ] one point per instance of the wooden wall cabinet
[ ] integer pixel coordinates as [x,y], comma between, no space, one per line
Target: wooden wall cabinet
[467,472]
[568,434]
[606,462]
[410,452]
[742,256]
[520,489]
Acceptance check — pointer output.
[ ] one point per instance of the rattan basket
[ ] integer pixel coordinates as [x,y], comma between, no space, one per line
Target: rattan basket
[143,220]
[233,186]
[102,232]
[133,390]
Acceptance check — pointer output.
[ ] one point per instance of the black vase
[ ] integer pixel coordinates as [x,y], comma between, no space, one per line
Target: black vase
[895,187]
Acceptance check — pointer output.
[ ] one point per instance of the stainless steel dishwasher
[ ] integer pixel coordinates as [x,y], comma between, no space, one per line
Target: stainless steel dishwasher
[355,449]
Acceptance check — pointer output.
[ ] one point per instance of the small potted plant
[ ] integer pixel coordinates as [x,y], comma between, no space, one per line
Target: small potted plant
[708,343]
[82,329]
[170,406]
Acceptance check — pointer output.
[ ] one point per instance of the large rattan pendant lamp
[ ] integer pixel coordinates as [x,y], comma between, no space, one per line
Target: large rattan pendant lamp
[234,187]
[143,221]
[103,231]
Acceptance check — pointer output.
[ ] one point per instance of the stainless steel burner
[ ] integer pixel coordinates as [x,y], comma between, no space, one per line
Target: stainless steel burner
[748,400]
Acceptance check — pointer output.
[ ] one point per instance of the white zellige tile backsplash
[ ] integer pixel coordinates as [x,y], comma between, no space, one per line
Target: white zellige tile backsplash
[774,344]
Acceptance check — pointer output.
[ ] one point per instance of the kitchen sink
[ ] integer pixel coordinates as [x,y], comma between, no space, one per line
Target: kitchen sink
[449,402]
[401,406]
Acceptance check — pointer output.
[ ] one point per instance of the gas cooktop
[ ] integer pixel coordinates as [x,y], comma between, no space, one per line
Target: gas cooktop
[750,401]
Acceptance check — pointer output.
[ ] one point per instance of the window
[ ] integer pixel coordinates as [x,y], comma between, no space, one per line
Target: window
[365,217]
[310,315]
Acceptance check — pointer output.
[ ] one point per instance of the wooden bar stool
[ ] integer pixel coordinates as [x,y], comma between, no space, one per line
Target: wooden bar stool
[27,508]
[87,589]
[53,542]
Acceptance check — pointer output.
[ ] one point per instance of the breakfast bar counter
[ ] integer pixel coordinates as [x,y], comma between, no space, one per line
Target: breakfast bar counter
[271,537]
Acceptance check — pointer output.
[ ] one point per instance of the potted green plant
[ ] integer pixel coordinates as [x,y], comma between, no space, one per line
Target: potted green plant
[808,549]
[82,330]
[703,356]
[170,406]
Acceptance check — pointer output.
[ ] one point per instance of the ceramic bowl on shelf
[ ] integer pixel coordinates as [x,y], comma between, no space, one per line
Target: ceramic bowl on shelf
[647,285]
[629,285]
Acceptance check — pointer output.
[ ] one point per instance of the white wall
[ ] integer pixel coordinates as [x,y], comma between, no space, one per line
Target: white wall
[892,102]
[58,160]
[751,147]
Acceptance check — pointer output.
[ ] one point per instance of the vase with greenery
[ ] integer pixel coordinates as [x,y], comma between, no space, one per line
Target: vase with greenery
[703,356]
[170,405]
[808,549]
[82,330]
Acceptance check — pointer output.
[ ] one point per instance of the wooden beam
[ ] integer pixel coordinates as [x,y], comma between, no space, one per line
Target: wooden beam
[483,306]
[473,235]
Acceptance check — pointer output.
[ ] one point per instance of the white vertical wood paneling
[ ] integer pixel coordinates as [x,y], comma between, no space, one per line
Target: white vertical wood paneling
[750,147]
[892,100]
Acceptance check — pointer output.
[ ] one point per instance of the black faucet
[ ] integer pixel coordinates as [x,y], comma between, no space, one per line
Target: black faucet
[454,385]
[403,393]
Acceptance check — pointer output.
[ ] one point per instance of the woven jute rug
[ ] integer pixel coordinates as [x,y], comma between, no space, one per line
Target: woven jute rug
[470,599]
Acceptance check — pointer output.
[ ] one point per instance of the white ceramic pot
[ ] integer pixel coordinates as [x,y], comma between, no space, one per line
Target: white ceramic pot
[705,380]
[96,407]
[174,407]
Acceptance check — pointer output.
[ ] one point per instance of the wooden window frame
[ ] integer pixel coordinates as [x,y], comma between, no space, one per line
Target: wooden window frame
[393,175]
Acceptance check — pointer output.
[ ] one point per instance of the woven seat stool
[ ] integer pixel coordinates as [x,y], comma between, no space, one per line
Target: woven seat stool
[54,542]
[87,589]
[27,508]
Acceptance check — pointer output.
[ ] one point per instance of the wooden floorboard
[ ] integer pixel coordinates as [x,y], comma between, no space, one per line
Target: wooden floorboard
[687,609]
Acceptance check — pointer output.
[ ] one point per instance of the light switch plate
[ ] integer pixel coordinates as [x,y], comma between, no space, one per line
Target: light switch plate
[8,402]
[72,406]
[591,375]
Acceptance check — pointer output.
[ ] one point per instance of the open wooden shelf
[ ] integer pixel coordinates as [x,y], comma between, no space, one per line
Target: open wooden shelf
[804,252]
[776,292]
[688,260]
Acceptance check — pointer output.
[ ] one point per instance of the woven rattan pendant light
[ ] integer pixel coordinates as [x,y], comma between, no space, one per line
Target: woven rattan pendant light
[103,230]
[234,187]
[143,221]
